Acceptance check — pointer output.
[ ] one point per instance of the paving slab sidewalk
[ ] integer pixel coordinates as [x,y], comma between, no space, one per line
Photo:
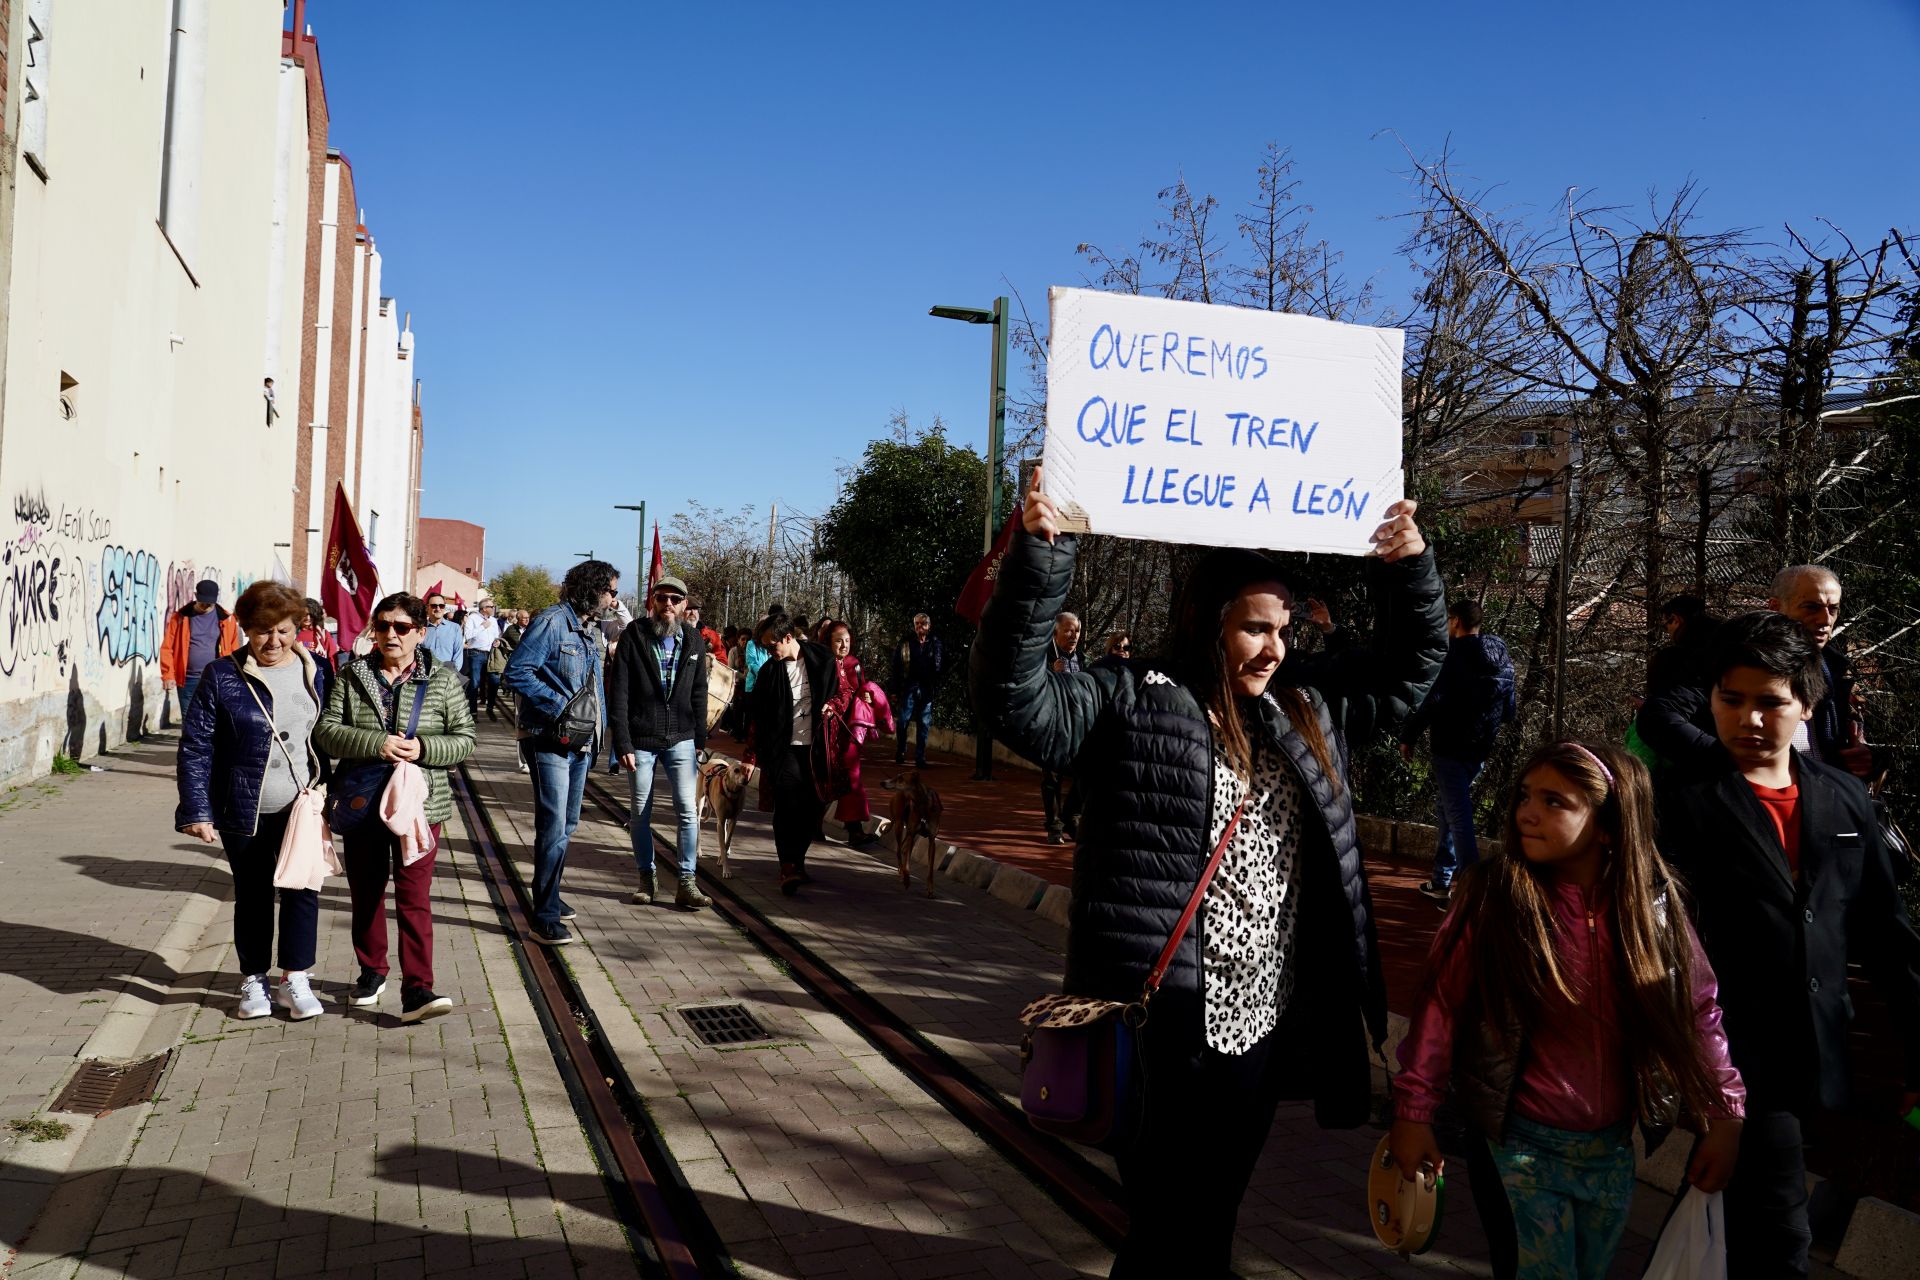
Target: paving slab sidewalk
[350,1144]
[958,968]
[811,1154]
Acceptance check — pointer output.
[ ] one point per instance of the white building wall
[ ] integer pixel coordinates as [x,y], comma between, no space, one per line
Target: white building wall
[287,261]
[386,424]
[165,472]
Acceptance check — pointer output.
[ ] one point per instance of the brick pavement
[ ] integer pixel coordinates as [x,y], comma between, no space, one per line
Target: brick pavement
[958,967]
[349,1145]
[813,1156]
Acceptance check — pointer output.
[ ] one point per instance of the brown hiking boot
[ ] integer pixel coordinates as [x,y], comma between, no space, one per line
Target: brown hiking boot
[689,898]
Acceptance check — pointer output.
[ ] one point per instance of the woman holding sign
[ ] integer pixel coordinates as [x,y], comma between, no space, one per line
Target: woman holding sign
[1225,745]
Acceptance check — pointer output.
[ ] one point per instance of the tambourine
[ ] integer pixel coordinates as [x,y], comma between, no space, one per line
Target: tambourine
[1404,1212]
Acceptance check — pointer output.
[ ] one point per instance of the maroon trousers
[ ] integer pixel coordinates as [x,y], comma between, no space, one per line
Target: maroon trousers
[372,855]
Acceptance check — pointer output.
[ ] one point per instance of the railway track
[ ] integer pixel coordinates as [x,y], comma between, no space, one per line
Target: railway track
[663,1214]
[1078,1185]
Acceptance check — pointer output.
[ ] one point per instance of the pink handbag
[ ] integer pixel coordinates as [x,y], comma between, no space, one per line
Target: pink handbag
[307,855]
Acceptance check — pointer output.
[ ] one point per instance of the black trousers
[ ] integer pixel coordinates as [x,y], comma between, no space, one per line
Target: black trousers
[1207,1119]
[796,805]
[1060,799]
[252,858]
[1767,1229]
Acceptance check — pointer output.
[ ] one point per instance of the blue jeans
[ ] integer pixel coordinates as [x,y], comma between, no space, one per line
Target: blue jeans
[559,781]
[187,686]
[917,708]
[1570,1194]
[1457,848]
[682,775]
[473,665]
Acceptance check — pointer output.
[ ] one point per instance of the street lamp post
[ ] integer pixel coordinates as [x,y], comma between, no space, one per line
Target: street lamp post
[996,463]
[640,547]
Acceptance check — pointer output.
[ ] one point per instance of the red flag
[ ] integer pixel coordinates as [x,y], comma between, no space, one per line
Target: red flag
[979,589]
[437,589]
[659,565]
[350,585]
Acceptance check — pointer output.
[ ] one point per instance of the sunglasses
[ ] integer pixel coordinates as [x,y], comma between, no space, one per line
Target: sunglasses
[668,597]
[1123,648]
[436,606]
[398,628]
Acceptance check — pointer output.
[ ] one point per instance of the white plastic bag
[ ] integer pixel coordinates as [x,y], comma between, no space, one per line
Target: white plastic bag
[1694,1244]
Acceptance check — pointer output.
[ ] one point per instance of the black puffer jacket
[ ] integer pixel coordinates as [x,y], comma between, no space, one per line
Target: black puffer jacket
[1140,744]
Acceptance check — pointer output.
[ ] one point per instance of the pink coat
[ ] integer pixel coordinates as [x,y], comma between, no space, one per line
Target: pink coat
[1573,1074]
[868,721]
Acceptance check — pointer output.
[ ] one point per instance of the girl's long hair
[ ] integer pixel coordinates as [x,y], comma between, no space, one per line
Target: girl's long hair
[1509,900]
[1200,657]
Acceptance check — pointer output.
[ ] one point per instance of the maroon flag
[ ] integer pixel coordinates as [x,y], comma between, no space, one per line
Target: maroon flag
[979,589]
[437,589]
[350,585]
[658,568]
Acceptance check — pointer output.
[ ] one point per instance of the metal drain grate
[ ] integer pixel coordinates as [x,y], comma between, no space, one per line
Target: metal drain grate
[100,1087]
[725,1024]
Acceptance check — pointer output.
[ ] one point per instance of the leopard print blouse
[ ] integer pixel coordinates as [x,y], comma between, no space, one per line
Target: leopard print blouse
[1246,945]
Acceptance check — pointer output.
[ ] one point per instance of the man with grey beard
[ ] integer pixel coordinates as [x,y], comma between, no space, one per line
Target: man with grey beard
[657,713]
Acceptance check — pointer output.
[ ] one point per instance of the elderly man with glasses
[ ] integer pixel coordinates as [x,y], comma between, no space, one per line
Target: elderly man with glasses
[657,713]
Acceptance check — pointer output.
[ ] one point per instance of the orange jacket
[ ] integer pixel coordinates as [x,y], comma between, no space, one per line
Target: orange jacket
[178,645]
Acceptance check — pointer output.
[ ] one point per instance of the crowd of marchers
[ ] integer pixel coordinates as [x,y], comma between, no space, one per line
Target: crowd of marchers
[1659,941]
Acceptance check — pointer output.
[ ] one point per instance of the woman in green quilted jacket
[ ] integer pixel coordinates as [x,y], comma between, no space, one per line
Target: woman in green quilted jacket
[365,725]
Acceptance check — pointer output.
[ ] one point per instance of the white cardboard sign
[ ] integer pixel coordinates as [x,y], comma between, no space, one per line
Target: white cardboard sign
[1183,422]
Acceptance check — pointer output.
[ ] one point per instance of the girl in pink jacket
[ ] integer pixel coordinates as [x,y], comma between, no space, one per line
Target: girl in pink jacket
[1566,999]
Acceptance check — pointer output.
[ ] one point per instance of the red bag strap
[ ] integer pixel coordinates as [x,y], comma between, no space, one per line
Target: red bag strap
[1193,906]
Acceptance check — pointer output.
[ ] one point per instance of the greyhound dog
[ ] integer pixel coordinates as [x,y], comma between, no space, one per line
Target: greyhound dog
[915,811]
[723,793]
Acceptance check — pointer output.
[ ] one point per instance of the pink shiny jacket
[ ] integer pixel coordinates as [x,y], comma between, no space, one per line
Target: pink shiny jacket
[1573,1073]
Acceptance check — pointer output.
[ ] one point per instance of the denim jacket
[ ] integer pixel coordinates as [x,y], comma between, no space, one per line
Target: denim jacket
[556,658]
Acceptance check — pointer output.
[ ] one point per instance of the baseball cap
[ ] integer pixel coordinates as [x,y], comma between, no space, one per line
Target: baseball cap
[672,584]
[207,591]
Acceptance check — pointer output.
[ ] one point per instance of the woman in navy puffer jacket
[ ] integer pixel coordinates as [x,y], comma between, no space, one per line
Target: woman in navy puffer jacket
[245,754]
[1276,989]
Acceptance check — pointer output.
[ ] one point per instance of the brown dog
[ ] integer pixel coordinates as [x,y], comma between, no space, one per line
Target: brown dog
[723,793]
[915,812]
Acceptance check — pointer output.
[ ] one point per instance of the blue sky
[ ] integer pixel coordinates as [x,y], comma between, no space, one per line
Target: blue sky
[686,252]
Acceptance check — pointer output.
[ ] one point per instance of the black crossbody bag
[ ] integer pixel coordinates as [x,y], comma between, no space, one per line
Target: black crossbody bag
[354,794]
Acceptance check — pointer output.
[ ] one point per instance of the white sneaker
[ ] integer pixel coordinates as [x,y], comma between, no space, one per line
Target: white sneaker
[253,997]
[296,997]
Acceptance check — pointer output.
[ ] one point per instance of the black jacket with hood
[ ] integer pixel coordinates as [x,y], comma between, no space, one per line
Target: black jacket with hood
[1141,745]
[1470,701]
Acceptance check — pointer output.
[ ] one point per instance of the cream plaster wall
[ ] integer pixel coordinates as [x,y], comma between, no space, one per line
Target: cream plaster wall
[167,471]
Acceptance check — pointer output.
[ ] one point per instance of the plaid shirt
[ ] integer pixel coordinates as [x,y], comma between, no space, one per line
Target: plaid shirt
[668,652]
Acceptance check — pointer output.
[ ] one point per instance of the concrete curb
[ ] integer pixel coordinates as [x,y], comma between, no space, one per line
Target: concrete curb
[1881,1243]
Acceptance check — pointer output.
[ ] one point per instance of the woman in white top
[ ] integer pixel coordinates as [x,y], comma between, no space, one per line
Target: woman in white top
[790,742]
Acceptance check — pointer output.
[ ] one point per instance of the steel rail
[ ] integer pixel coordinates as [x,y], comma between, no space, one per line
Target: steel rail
[589,1074]
[1073,1181]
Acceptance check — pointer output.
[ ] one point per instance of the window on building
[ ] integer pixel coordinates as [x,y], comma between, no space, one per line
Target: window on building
[33,92]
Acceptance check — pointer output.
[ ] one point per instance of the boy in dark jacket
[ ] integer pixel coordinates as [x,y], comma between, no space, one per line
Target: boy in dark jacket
[1470,701]
[1789,877]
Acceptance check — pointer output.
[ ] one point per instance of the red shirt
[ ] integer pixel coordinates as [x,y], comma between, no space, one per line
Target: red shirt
[1783,806]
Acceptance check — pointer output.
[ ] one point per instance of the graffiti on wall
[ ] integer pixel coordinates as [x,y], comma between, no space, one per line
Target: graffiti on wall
[180,580]
[71,607]
[43,598]
[128,619]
